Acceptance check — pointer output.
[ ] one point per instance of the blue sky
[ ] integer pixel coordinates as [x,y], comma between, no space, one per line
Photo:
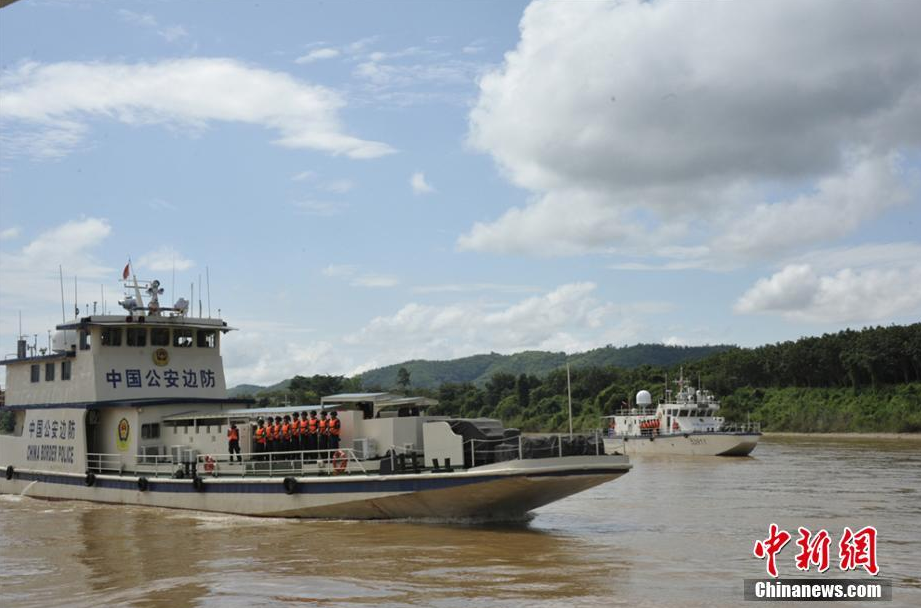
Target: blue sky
[369,182]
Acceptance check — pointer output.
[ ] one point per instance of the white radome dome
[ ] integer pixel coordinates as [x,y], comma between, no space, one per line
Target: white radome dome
[643,398]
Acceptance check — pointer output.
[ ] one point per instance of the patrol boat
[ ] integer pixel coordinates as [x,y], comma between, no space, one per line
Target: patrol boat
[687,424]
[133,409]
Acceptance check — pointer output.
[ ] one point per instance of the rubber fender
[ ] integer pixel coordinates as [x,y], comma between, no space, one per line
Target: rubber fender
[198,483]
[10,471]
[90,480]
[290,484]
[143,484]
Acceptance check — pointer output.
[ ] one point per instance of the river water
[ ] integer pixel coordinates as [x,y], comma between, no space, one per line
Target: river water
[674,531]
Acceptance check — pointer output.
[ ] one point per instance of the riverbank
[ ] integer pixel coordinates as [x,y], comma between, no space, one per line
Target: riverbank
[891,436]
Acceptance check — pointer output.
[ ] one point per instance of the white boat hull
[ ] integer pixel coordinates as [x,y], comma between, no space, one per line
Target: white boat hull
[690,444]
[501,491]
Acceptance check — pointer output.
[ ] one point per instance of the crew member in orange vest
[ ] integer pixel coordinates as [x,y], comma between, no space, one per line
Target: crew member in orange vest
[286,436]
[313,429]
[295,432]
[276,434]
[303,431]
[323,434]
[261,436]
[233,442]
[334,427]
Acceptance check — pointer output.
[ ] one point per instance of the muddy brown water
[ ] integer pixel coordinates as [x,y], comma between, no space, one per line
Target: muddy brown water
[674,531]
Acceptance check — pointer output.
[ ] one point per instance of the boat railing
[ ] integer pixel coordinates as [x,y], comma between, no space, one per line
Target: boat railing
[340,461]
[328,462]
[741,427]
[507,448]
[105,463]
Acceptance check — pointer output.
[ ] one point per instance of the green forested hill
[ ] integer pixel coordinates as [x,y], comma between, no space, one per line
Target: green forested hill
[478,369]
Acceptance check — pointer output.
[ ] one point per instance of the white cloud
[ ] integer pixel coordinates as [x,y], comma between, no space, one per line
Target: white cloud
[9,233]
[473,287]
[359,279]
[869,294]
[642,118]
[166,258]
[318,54]
[569,317]
[303,176]
[54,102]
[30,275]
[170,33]
[339,186]
[419,185]
[340,270]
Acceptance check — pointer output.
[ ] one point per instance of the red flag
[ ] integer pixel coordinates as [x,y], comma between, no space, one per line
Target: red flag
[126,271]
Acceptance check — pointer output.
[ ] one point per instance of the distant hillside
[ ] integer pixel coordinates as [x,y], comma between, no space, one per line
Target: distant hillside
[479,368]
[253,389]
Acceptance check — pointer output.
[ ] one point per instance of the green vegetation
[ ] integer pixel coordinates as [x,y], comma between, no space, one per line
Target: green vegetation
[850,381]
[478,369]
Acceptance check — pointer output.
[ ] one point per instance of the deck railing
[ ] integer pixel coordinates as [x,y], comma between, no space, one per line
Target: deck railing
[320,462]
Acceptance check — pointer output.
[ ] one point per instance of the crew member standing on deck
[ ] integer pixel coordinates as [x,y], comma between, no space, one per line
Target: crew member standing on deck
[313,430]
[334,426]
[286,436]
[323,435]
[295,432]
[233,442]
[261,439]
[276,434]
[303,431]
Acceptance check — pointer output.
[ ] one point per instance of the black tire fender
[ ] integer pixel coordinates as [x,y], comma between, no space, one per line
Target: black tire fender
[143,484]
[10,472]
[290,484]
[90,480]
[198,483]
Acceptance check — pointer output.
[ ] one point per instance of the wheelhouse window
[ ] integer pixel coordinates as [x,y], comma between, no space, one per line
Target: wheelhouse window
[85,340]
[49,372]
[207,338]
[36,372]
[150,431]
[65,370]
[182,338]
[111,336]
[159,336]
[136,336]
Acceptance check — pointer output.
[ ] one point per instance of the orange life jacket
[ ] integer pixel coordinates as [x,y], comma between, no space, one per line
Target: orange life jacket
[295,428]
[260,435]
[334,426]
[303,426]
[233,434]
[323,426]
[276,431]
[286,431]
[312,426]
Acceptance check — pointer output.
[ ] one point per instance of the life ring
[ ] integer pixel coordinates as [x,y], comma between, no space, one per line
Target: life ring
[90,479]
[198,483]
[143,484]
[209,465]
[340,462]
[10,471]
[290,484]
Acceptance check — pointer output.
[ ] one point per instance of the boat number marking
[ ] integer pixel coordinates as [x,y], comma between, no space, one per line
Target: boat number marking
[697,440]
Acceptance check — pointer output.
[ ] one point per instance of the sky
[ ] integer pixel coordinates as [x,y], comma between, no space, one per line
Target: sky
[355,184]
